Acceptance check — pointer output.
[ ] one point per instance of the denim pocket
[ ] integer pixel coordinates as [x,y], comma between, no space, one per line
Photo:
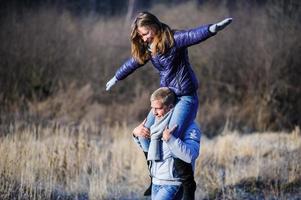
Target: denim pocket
[168,192]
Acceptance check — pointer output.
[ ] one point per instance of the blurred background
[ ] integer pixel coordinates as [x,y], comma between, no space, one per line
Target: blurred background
[56,57]
[62,136]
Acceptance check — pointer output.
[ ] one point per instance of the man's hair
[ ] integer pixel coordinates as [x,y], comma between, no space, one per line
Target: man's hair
[163,40]
[166,95]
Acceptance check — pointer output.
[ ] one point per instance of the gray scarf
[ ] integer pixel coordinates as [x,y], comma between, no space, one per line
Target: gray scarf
[154,151]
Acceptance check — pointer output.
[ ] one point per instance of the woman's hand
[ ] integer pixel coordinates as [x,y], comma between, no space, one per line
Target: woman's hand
[168,132]
[110,83]
[141,131]
[220,25]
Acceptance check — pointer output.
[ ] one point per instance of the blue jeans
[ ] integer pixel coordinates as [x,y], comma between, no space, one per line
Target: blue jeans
[167,192]
[144,142]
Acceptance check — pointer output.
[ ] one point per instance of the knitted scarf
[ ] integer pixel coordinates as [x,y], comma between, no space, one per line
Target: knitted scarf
[154,151]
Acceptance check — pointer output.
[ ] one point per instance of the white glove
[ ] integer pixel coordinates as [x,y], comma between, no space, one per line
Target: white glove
[110,83]
[220,25]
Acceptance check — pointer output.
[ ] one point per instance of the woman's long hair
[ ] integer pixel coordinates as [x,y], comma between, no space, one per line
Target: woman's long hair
[162,41]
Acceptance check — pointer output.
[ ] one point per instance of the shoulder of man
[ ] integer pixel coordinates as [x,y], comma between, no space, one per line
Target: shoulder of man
[193,132]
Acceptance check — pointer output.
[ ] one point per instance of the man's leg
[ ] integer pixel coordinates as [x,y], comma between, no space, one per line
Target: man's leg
[167,192]
[155,189]
[185,172]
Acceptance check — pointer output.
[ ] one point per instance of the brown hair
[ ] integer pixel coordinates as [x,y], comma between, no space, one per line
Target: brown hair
[162,42]
[166,95]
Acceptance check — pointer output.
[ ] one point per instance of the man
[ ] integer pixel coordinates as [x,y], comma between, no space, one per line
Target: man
[171,160]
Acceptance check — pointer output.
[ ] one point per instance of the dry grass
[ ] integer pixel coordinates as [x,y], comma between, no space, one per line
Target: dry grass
[75,104]
[83,160]
[89,161]
[56,65]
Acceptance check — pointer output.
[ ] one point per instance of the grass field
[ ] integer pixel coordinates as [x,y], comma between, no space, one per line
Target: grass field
[54,66]
[90,162]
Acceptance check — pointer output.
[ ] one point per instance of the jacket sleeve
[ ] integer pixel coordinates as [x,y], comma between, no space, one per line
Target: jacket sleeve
[127,68]
[193,36]
[188,149]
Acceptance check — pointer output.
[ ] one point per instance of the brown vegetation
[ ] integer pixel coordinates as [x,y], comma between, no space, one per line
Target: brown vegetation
[249,73]
[63,136]
[92,162]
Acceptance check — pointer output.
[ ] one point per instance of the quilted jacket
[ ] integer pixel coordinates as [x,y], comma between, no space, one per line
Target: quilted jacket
[174,68]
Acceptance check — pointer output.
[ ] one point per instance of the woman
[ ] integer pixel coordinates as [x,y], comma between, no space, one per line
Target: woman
[152,40]
[167,50]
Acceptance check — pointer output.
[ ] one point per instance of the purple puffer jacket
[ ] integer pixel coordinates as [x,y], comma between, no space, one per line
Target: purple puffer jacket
[173,66]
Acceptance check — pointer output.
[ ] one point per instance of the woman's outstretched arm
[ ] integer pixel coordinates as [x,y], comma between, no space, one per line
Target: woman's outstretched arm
[194,36]
[126,69]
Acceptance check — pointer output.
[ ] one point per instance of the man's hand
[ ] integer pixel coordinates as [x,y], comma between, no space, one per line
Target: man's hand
[220,25]
[168,132]
[141,131]
[110,83]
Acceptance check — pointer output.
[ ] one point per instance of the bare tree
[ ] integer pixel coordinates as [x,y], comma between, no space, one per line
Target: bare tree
[130,11]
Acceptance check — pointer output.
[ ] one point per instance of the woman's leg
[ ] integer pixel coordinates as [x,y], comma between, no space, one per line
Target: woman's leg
[150,120]
[184,113]
[144,142]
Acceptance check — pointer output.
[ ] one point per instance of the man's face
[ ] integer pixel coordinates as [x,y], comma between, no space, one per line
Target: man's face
[159,109]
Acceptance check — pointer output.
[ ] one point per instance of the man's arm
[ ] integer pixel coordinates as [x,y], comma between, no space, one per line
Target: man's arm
[188,149]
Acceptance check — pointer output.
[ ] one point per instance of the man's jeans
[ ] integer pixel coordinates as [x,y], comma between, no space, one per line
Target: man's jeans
[167,192]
